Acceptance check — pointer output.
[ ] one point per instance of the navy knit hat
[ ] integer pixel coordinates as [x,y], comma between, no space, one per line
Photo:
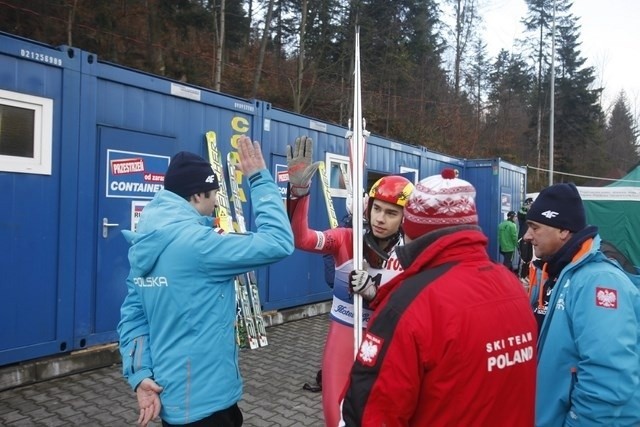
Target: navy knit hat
[190,174]
[559,206]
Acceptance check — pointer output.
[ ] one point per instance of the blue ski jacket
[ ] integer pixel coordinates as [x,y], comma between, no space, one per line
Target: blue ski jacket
[177,320]
[589,345]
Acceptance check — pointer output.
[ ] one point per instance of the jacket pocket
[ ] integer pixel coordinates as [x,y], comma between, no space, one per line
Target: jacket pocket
[135,356]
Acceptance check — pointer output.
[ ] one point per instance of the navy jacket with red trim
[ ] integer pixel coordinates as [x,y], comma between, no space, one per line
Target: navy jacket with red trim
[452,341]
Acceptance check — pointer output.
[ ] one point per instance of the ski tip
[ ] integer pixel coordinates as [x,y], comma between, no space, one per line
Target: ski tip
[233,157]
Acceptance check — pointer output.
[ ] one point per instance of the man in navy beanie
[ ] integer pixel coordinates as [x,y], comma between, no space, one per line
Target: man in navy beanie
[176,329]
[588,314]
[190,174]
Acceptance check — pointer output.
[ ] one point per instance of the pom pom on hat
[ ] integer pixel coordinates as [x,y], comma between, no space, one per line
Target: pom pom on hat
[559,206]
[448,173]
[439,201]
[189,174]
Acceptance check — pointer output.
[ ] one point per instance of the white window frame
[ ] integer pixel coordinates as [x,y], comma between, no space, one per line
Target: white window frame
[331,159]
[416,178]
[41,162]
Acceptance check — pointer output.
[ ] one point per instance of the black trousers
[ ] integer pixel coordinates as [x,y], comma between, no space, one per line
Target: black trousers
[507,260]
[526,254]
[230,417]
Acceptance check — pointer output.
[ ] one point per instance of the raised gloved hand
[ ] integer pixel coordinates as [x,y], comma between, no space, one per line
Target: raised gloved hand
[299,165]
[360,282]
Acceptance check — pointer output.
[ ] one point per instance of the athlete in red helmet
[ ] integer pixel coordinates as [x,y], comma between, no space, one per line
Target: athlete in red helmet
[383,234]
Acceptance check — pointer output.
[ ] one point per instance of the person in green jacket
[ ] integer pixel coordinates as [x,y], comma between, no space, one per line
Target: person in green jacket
[508,239]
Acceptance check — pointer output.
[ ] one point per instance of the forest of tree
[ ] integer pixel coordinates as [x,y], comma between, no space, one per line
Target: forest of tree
[427,78]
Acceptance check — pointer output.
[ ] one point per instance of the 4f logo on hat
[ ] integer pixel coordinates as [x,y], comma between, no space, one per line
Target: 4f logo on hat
[210,179]
[549,214]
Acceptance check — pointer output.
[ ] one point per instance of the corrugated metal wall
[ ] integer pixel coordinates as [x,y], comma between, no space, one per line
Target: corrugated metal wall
[36,229]
[500,188]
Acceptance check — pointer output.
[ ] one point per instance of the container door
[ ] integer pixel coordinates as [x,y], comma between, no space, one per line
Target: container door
[131,170]
[299,278]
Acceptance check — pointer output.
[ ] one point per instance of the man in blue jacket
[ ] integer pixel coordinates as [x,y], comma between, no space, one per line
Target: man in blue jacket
[588,314]
[177,337]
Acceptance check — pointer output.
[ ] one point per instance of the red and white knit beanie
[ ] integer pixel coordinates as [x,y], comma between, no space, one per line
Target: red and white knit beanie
[439,201]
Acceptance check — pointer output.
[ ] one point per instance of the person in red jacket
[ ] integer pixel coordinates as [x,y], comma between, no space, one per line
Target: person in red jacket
[384,214]
[452,341]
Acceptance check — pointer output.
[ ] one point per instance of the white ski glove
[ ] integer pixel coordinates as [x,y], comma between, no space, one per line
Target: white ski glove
[361,283]
[299,165]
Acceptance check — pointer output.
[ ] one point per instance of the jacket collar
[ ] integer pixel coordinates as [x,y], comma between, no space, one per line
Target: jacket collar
[451,244]
[430,245]
[574,250]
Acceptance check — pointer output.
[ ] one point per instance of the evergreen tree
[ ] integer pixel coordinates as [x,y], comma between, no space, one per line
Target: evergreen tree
[538,23]
[579,120]
[509,110]
[476,79]
[323,58]
[401,68]
[621,136]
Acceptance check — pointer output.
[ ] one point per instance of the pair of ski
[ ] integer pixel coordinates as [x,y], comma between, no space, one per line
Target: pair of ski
[357,146]
[250,327]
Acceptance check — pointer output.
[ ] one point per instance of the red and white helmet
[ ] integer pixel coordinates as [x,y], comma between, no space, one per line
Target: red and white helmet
[393,189]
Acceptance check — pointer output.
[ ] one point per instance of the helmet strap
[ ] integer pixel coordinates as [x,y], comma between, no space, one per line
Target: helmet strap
[375,250]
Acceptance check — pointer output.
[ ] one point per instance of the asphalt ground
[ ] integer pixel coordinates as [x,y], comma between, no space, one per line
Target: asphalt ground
[273,395]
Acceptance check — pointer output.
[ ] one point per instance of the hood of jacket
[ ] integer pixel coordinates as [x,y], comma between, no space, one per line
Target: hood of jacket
[161,220]
[447,245]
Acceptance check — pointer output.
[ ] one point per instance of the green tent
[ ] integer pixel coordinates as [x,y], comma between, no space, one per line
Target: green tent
[615,209]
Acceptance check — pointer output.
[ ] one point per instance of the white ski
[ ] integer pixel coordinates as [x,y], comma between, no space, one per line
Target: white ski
[331,212]
[245,327]
[237,197]
[357,148]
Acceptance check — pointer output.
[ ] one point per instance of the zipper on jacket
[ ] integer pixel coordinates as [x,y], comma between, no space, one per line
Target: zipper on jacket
[574,381]
[132,354]
[236,348]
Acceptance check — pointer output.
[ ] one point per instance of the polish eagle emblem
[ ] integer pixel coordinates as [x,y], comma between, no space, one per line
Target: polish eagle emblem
[369,349]
[607,298]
